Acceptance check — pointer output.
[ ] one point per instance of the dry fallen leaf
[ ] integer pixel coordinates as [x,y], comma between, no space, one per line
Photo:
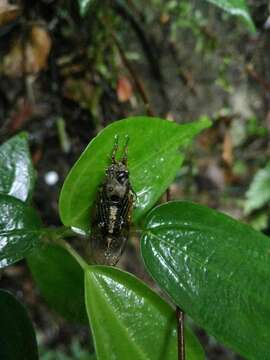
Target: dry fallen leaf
[8,12]
[30,59]
[39,47]
[124,89]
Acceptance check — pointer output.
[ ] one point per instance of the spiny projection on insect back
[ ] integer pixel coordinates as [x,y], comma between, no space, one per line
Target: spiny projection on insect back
[111,215]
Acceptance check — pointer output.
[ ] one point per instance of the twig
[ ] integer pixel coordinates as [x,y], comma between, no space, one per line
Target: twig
[148,46]
[63,136]
[134,76]
[72,252]
[180,317]
[56,236]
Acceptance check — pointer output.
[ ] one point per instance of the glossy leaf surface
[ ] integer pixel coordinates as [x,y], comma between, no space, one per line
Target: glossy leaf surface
[130,321]
[153,161]
[19,230]
[237,8]
[84,6]
[60,280]
[17,337]
[216,269]
[16,169]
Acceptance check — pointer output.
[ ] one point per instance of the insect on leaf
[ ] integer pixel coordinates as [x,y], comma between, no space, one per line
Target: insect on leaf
[155,154]
[112,212]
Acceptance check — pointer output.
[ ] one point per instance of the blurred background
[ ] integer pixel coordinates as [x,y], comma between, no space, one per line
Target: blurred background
[64,76]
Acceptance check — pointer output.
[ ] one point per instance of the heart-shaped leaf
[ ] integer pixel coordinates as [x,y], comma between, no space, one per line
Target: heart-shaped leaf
[16,170]
[17,336]
[216,269]
[237,8]
[153,161]
[130,321]
[60,280]
[19,230]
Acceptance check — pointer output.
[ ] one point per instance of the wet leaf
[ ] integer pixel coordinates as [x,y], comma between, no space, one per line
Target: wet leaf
[16,170]
[258,193]
[19,230]
[153,161]
[130,321]
[216,269]
[60,280]
[17,336]
[237,8]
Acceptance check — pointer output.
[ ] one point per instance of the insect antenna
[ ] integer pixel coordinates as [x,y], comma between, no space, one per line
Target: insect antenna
[115,148]
[125,152]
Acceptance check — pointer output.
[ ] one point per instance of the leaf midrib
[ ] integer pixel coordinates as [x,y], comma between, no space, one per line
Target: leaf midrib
[114,313]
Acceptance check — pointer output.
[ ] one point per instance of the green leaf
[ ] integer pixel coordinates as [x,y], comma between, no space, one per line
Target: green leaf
[84,6]
[130,321]
[258,193]
[237,8]
[16,170]
[259,221]
[216,269]
[17,336]
[60,280]
[153,161]
[19,230]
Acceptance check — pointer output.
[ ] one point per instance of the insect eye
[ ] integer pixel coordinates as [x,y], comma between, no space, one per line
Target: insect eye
[122,175]
[110,188]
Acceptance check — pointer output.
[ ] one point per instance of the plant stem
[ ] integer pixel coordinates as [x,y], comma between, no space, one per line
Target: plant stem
[137,81]
[53,234]
[56,236]
[180,316]
[63,136]
[73,253]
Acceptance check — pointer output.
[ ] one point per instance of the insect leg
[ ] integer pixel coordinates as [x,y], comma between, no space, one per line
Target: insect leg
[103,211]
[125,153]
[133,193]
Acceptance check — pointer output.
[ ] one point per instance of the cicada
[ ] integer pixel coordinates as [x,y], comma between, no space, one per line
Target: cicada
[111,216]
